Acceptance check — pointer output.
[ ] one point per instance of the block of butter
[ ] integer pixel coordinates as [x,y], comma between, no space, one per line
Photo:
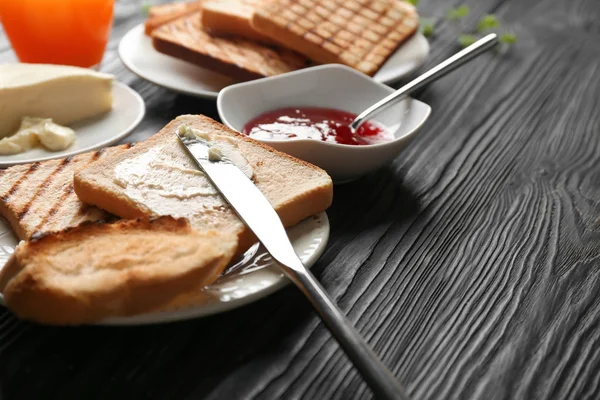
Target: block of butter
[63,93]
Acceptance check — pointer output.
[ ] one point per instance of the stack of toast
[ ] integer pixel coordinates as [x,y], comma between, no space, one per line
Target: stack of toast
[248,39]
[125,230]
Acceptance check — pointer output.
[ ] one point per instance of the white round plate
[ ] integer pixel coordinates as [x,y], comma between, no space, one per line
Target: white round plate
[252,277]
[137,53]
[127,112]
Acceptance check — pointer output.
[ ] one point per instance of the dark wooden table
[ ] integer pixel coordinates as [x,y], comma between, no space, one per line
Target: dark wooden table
[471,264]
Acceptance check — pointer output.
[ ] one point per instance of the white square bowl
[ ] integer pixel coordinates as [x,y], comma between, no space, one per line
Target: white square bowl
[328,86]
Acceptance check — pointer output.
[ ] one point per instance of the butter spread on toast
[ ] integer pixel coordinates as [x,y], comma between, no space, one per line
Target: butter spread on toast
[167,183]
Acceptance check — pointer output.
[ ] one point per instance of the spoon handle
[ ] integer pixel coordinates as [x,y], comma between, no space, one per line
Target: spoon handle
[433,74]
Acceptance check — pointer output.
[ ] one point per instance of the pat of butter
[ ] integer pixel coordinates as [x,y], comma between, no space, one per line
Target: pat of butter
[55,137]
[63,93]
[221,148]
[18,143]
[34,131]
[214,154]
[191,133]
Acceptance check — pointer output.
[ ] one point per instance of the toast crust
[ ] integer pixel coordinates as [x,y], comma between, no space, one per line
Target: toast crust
[97,270]
[238,58]
[232,18]
[165,13]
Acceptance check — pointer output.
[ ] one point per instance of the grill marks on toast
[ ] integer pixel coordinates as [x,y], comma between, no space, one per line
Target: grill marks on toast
[40,198]
[47,219]
[98,153]
[21,194]
[68,191]
[15,186]
[68,210]
[40,189]
[48,196]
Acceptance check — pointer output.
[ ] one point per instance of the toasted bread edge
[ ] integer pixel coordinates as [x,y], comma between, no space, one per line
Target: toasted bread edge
[32,296]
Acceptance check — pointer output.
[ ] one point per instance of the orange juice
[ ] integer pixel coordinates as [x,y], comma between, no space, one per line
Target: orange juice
[69,32]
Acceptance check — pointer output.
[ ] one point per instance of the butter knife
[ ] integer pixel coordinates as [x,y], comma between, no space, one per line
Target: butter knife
[256,212]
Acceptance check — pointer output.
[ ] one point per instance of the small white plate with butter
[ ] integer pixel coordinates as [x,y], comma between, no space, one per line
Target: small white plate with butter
[127,112]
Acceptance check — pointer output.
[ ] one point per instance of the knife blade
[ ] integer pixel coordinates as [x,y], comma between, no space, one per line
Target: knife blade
[257,213]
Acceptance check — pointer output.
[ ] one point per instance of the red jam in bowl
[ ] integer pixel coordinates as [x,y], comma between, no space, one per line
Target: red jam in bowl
[325,124]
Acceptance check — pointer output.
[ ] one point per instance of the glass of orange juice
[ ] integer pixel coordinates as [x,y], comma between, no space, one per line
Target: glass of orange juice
[67,32]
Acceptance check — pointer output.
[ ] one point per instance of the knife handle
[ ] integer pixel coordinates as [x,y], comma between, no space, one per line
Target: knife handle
[383,384]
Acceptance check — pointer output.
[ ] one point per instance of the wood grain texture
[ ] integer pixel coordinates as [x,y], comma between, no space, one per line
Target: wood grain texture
[471,263]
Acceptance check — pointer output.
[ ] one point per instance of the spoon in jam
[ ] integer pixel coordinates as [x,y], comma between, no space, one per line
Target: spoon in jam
[440,70]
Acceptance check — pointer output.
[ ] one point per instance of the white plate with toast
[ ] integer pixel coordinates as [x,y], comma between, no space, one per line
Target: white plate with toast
[172,255]
[139,56]
[251,277]
[126,114]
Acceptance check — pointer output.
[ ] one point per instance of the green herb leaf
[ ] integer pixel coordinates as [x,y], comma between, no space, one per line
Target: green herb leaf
[413,2]
[487,22]
[466,40]
[145,7]
[459,12]
[427,29]
[508,38]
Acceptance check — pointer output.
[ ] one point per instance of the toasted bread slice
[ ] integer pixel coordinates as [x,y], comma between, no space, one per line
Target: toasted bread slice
[39,197]
[165,13]
[361,34]
[98,270]
[232,18]
[158,177]
[186,39]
